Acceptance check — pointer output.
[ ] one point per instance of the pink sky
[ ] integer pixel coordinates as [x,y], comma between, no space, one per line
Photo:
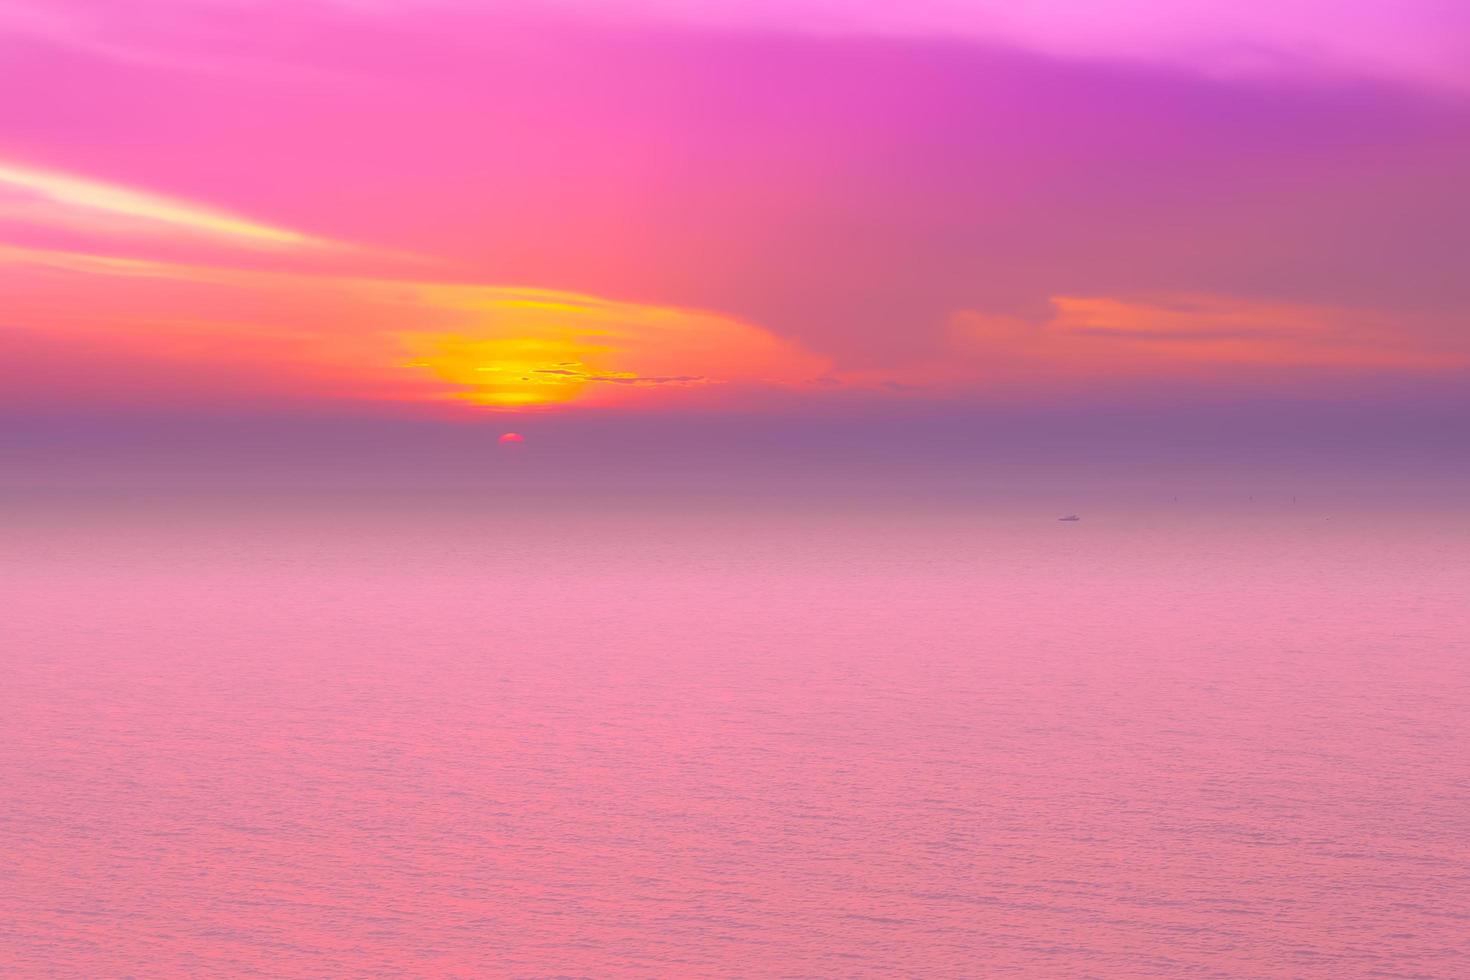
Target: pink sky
[570,206]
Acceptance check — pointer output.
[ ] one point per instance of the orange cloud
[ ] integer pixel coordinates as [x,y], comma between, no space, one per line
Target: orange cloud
[496,347]
[1186,334]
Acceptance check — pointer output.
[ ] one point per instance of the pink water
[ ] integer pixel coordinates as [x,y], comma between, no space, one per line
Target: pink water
[422,739]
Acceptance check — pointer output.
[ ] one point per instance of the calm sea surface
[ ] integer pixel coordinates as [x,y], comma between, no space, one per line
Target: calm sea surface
[430,738]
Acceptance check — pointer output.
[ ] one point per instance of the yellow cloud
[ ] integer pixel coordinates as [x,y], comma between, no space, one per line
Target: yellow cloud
[525,348]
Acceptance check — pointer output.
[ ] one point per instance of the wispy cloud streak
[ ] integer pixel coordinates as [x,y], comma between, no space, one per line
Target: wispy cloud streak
[71,200]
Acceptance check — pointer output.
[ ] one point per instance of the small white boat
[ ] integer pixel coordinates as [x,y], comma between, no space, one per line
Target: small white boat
[1070,517]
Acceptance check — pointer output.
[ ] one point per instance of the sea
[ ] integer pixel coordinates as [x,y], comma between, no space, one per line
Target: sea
[421,734]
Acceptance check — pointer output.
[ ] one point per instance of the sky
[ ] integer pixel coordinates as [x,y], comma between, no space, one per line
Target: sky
[650,232]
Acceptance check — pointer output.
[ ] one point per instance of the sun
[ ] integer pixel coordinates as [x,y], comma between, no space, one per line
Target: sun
[512,438]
